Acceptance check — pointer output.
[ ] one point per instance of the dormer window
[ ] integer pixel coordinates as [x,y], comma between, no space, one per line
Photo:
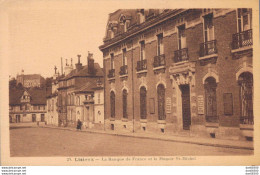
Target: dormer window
[125,22]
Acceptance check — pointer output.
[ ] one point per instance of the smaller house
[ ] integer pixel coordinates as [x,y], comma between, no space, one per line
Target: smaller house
[27,105]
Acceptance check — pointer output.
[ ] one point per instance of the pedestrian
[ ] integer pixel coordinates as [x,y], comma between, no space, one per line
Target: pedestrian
[79,124]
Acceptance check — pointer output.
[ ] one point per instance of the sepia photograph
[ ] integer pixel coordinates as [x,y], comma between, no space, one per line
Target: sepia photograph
[111,84]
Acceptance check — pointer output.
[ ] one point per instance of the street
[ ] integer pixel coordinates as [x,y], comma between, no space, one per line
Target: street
[48,142]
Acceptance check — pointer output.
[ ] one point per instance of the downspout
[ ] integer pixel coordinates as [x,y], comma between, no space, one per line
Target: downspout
[104,79]
[133,87]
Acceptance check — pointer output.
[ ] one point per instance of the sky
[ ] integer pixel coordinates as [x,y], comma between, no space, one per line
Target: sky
[41,33]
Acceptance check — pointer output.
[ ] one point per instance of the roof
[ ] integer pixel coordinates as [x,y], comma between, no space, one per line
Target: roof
[84,72]
[87,87]
[31,76]
[38,96]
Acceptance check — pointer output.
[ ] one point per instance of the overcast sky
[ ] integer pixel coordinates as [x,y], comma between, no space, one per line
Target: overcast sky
[41,33]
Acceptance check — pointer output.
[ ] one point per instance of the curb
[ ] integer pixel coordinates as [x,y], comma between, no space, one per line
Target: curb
[156,138]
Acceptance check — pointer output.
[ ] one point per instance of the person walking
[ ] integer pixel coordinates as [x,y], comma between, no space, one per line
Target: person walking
[79,124]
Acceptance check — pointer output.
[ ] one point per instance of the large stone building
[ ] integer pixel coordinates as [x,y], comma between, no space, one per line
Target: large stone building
[75,94]
[180,71]
[27,105]
[30,80]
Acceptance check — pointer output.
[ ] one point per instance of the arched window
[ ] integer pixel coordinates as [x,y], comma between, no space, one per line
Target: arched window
[210,99]
[161,102]
[245,81]
[112,104]
[124,103]
[143,103]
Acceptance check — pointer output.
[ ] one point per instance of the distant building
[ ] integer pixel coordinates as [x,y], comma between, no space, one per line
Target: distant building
[27,105]
[75,93]
[30,80]
[180,71]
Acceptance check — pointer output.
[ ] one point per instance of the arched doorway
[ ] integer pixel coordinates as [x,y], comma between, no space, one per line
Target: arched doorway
[161,101]
[143,102]
[245,81]
[112,104]
[210,99]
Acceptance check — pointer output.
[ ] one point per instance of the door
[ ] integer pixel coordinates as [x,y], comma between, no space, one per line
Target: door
[42,118]
[186,118]
[33,118]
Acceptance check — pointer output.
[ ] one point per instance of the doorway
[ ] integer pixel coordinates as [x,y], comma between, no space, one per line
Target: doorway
[33,118]
[186,115]
[18,118]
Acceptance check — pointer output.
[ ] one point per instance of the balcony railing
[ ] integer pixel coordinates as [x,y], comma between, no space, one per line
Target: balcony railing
[111,73]
[212,119]
[208,48]
[242,39]
[123,70]
[141,65]
[249,120]
[159,61]
[181,55]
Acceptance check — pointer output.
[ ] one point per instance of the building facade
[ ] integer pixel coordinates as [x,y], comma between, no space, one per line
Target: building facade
[180,71]
[52,101]
[30,80]
[75,93]
[27,105]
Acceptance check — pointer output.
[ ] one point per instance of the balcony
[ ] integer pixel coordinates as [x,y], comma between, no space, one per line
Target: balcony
[242,40]
[212,119]
[208,49]
[181,55]
[141,65]
[247,120]
[123,70]
[111,73]
[159,61]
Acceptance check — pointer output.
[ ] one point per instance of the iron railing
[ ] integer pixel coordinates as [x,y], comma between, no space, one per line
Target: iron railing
[141,65]
[242,39]
[123,70]
[249,120]
[181,55]
[159,61]
[111,73]
[208,48]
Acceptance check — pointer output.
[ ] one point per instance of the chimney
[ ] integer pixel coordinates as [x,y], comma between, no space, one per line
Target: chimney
[78,65]
[91,68]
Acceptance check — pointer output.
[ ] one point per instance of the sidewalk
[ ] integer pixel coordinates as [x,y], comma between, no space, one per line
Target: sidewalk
[236,144]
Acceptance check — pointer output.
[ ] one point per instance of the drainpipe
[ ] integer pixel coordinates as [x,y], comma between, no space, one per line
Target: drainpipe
[104,83]
[133,87]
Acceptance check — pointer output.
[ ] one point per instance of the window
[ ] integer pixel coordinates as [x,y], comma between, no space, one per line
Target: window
[42,118]
[52,105]
[124,103]
[160,44]
[181,37]
[72,99]
[142,50]
[78,100]
[124,61]
[112,64]
[208,28]
[141,16]
[98,98]
[245,82]
[210,99]
[143,103]
[161,102]
[243,19]
[112,104]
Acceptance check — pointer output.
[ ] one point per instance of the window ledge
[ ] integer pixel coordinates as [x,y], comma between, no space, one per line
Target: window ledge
[179,63]
[122,76]
[208,56]
[242,49]
[142,71]
[160,67]
[246,127]
[143,120]
[212,124]
[124,120]
[113,78]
